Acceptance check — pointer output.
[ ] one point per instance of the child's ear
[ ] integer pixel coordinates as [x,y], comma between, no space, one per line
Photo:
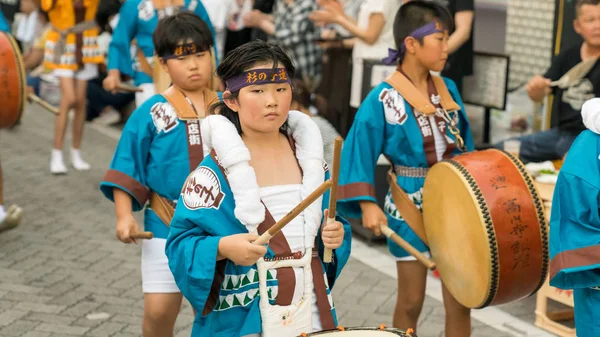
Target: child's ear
[231,102]
[163,64]
[410,44]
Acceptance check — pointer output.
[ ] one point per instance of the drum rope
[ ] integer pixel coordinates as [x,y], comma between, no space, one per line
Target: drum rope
[452,123]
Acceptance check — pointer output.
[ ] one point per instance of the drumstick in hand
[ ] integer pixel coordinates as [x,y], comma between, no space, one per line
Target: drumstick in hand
[128,88]
[141,235]
[34,98]
[335,174]
[266,236]
[407,247]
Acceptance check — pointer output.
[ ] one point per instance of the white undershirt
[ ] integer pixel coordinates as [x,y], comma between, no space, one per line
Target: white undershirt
[440,141]
[279,201]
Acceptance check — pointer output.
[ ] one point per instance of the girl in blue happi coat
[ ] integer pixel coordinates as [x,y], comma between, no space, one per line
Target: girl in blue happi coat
[159,146]
[137,21]
[575,224]
[415,119]
[264,160]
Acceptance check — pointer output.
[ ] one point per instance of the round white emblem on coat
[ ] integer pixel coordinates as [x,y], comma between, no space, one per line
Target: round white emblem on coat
[202,189]
[164,117]
[393,106]
[146,10]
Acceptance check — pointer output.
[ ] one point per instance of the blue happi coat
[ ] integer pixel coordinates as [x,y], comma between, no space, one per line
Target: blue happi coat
[192,249]
[137,21]
[385,124]
[154,154]
[3,23]
[575,231]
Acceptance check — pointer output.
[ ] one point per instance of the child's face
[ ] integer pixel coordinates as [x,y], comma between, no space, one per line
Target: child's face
[433,53]
[587,24]
[263,108]
[190,72]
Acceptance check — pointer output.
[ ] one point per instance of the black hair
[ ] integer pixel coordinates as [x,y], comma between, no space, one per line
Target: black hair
[305,98]
[416,14]
[581,3]
[174,30]
[106,9]
[240,60]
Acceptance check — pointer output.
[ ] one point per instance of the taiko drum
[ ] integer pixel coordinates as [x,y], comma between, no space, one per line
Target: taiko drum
[486,228]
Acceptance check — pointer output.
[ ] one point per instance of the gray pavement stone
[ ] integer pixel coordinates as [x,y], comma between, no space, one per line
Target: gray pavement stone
[62,329]
[11,315]
[106,329]
[63,262]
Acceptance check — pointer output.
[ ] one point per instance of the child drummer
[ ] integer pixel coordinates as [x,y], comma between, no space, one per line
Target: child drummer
[160,145]
[137,20]
[413,139]
[265,160]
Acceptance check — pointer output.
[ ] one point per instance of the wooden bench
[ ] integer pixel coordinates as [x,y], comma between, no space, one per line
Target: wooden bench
[550,321]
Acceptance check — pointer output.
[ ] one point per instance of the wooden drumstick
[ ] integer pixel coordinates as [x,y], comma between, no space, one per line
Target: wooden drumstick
[36,99]
[335,174]
[407,247]
[141,235]
[266,236]
[129,88]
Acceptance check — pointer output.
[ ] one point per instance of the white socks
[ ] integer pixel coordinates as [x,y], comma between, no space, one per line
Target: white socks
[57,162]
[2,213]
[78,163]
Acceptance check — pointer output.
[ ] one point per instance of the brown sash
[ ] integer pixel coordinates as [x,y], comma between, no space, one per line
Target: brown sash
[416,99]
[286,279]
[421,106]
[144,65]
[163,207]
[162,4]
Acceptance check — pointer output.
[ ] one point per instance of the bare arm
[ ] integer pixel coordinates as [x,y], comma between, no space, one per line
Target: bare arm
[463,21]
[267,26]
[33,59]
[122,203]
[369,35]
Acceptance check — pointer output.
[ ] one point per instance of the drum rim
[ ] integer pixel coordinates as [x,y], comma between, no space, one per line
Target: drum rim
[539,207]
[21,71]
[489,227]
[544,230]
[363,328]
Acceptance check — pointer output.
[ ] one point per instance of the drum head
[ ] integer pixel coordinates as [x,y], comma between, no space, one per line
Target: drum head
[457,238]
[12,82]
[362,332]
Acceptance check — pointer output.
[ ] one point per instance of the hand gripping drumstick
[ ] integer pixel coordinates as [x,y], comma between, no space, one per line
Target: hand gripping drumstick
[36,99]
[266,236]
[335,174]
[128,88]
[407,246]
[141,235]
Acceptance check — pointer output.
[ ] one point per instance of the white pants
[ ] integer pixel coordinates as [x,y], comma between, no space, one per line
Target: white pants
[156,275]
[141,97]
[89,71]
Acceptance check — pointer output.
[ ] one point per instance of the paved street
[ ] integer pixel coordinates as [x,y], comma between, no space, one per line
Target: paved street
[62,272]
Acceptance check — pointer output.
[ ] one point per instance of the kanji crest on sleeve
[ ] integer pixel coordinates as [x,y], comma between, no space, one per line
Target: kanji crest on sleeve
[393,106]
[164,117]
